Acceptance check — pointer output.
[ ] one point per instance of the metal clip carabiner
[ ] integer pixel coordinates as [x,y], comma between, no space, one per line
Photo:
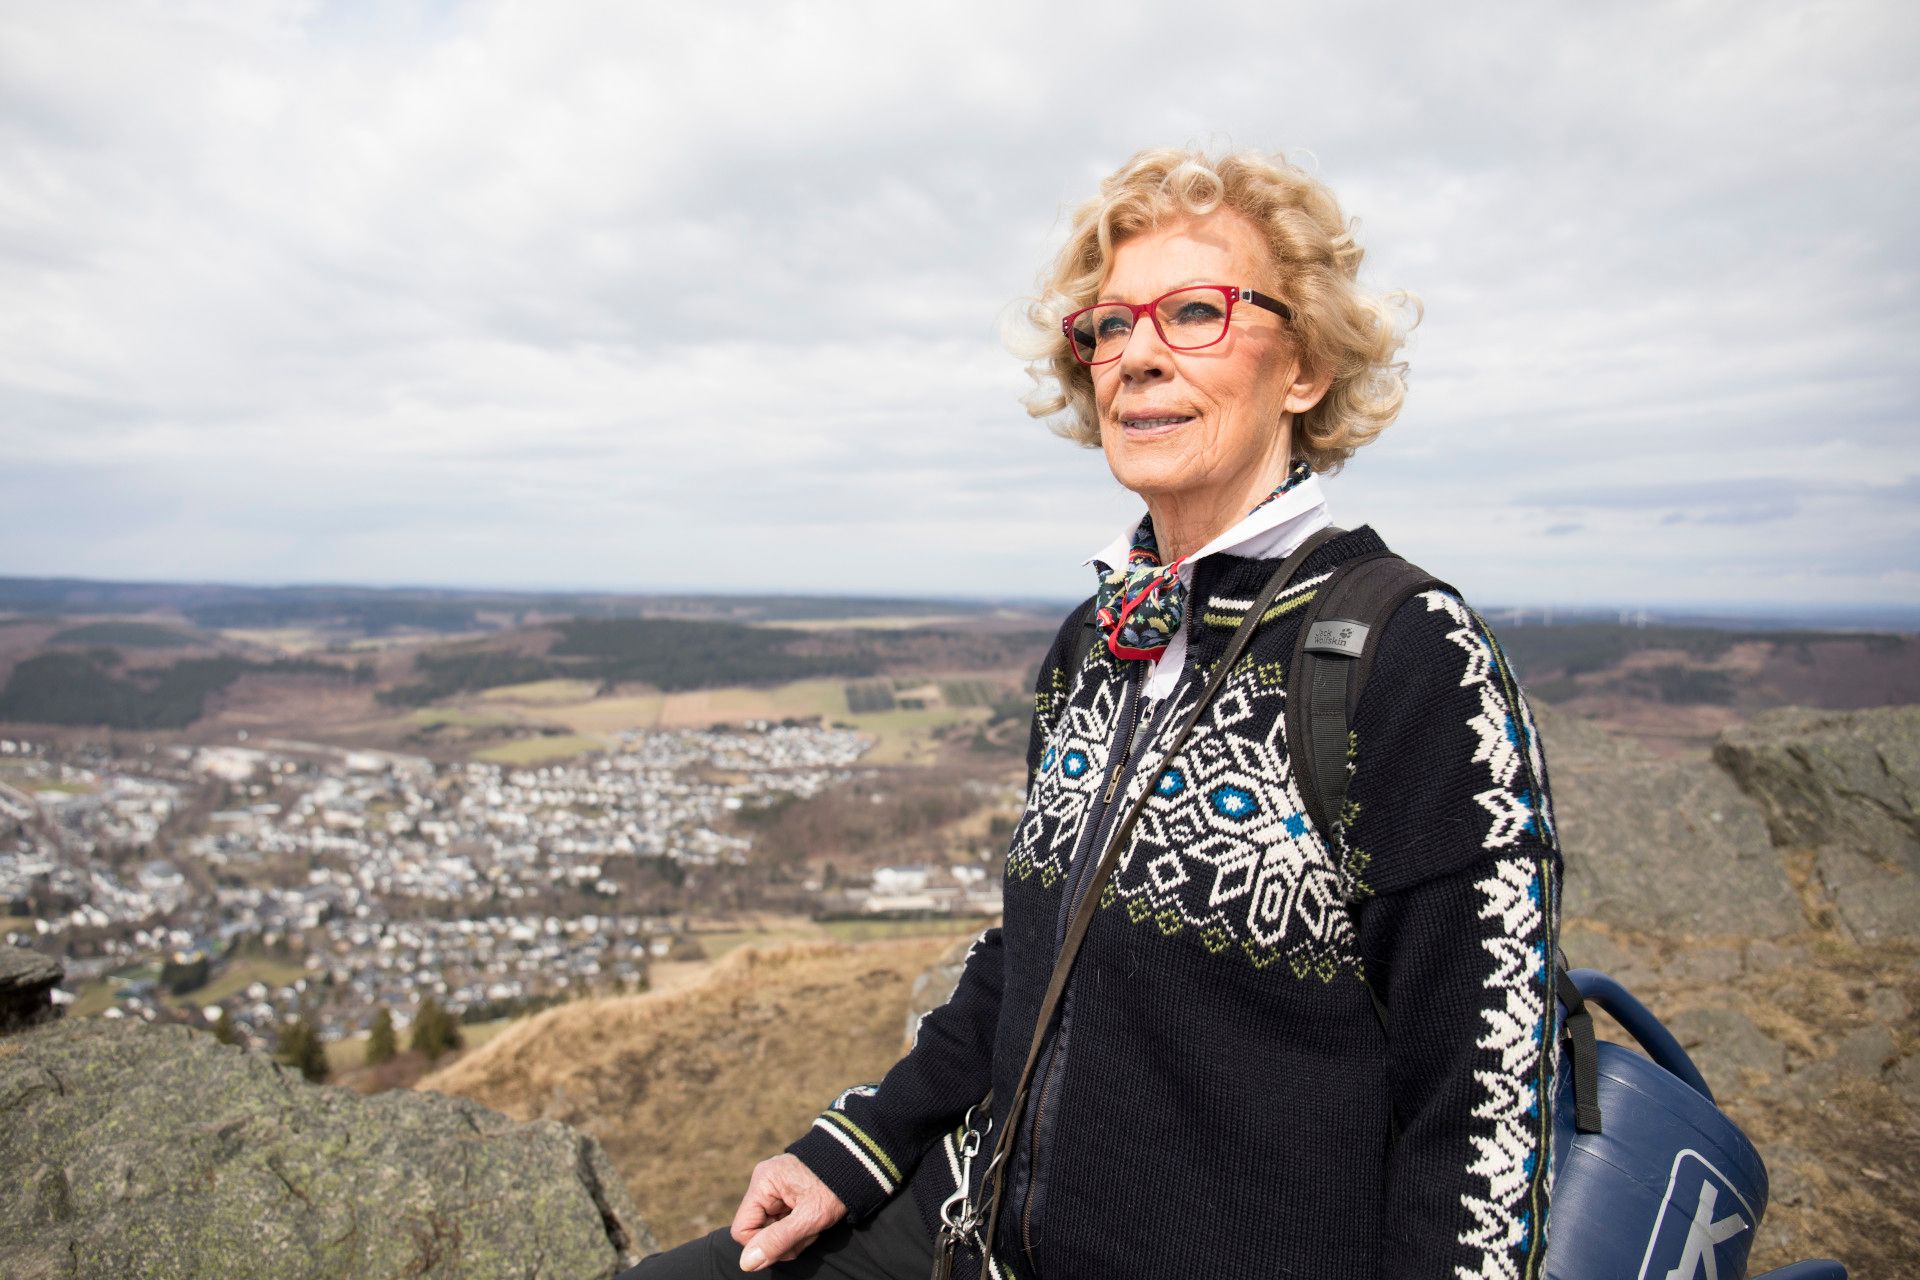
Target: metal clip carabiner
[957,1211]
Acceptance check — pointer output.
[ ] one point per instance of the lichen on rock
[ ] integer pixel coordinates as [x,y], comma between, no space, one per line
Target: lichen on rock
[159,1152]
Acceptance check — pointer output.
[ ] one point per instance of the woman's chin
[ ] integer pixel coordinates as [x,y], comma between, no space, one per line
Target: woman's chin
[1148,474]
[1154,453]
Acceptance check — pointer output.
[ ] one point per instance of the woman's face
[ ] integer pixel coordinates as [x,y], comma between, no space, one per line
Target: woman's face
[1207,425]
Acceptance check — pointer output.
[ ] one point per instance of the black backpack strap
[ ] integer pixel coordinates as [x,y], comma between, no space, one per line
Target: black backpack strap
[1332,658]
[1084,632]
[1586,1056]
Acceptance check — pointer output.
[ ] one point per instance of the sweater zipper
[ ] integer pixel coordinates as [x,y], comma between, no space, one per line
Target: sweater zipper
[1120,764]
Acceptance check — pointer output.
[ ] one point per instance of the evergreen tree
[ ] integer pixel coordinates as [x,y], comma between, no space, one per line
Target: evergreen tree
[380,1045]
[291,1042]
[451,1034]
[313,1060]
[434,1030]
[425,1038]
[302,1047]
[223,1029]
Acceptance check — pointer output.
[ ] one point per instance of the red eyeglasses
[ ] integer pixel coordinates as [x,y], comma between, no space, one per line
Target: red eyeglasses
[1187,319]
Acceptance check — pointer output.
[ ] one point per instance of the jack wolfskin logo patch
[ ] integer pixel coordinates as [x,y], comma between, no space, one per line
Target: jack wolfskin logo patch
[1704,1227]
[1337,635]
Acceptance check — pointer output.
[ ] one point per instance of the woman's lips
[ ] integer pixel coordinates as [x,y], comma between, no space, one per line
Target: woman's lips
[1139,426]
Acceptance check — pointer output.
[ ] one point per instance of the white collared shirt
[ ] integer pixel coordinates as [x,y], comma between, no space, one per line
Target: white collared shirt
[1270,531]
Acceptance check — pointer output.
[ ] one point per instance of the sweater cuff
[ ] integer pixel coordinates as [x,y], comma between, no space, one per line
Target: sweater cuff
[853,1165]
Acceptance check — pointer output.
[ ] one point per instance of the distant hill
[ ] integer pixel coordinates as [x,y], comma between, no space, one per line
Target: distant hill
[167,656]
[124,679]
[347,612]
[1686,684]
[89,687]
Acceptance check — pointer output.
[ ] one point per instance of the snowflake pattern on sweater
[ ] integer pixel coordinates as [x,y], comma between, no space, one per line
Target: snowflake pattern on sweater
[1224,846]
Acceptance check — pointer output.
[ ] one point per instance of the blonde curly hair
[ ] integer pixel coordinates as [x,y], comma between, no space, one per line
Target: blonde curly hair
[1316,260]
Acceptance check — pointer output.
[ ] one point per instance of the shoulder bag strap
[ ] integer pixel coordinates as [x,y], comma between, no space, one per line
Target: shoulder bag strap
[993,1183]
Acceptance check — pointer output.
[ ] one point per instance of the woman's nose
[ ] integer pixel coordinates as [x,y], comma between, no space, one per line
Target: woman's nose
[1145,355]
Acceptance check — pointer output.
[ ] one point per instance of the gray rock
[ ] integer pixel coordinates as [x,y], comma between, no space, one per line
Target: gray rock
[1725,1042]
[1767,956]
[27,980]
[1904,1077]
[1888,1007]
[1591,949]
[1786,1184]
[1865,1052]
[134,1150]
[1847,778]
[1874,902]
[1659,845]
[933,988]
[1696,965]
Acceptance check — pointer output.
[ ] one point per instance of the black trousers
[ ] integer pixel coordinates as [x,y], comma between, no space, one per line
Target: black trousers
[891,1245]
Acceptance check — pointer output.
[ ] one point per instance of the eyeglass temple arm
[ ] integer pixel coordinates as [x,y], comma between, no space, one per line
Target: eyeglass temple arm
[1274,305]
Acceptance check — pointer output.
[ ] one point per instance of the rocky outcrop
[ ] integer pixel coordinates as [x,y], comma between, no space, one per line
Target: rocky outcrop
[136,1150]
[1657,844]
[27,980]
[934,987]
[1842,786]
[1834,777]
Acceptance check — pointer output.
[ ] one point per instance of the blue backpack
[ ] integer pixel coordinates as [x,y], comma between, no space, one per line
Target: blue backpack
[1652,1180]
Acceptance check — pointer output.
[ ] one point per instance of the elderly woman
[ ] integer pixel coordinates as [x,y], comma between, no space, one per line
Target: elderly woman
[1281,1050]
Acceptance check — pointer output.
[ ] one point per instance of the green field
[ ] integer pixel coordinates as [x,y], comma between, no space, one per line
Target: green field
[904,736]
[430,717]
[880,930]
[290,639]
[721,941]
[739,702]
[237,976]
[234,978]
[541,692]
[792,929]
[907,737]
[127,635]
[878,622]
[540,750]
[58,788]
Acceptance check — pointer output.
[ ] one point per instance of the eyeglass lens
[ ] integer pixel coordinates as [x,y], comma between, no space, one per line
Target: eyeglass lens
[1188,318]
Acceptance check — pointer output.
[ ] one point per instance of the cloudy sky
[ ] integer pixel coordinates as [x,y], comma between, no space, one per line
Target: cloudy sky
[639,296]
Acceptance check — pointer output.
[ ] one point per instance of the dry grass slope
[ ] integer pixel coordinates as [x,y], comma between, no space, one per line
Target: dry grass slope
[687,1090]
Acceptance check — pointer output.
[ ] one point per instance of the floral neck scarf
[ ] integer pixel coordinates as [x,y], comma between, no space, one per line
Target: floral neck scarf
[1140,605]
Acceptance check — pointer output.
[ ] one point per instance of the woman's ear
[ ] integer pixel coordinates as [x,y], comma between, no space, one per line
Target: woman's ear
[1307,390]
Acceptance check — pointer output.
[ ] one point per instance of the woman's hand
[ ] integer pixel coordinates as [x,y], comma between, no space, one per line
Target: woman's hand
[786,1207]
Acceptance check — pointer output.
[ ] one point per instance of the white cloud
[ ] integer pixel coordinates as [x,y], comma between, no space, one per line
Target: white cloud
[607,294]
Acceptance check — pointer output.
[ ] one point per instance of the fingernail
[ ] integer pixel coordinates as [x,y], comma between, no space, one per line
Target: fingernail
[752,1258]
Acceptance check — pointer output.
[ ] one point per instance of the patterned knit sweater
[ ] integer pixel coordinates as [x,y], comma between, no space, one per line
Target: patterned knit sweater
[1220,1098]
